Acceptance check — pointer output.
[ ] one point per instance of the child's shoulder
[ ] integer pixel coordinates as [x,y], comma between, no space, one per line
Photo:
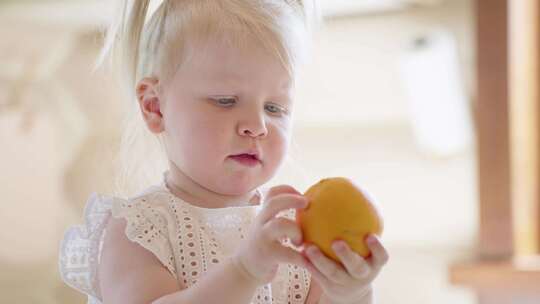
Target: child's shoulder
[153,196]
[100,205]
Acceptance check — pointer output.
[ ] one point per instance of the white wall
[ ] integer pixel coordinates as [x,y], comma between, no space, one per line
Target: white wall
[354,77]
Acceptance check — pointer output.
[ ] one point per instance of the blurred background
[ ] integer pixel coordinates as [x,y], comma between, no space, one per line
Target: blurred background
[390,100]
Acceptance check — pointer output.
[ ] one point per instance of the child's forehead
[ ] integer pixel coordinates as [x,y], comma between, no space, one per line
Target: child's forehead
[215,59]
[210,51]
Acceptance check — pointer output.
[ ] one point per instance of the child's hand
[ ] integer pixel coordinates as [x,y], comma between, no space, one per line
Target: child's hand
[262,252]
[351,283]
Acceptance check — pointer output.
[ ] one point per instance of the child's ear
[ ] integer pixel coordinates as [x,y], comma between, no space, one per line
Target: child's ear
[147,91]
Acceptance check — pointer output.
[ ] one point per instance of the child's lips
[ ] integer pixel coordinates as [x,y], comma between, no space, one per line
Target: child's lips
[246,159]
[254,153]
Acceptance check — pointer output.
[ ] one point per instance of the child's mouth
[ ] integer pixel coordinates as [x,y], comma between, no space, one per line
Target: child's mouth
[246,159]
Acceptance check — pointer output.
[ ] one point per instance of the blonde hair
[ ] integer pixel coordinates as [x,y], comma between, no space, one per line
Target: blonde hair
[148,38]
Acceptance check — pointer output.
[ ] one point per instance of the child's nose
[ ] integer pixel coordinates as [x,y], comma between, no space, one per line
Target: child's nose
[254,127]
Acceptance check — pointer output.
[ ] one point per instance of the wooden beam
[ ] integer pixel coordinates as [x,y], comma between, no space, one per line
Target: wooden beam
[492,128]
[525,124]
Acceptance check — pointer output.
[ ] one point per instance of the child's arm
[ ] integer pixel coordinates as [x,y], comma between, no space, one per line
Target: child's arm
[224,284]
[129,273]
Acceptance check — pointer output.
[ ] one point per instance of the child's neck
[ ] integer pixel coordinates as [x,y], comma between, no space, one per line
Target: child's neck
[187,190]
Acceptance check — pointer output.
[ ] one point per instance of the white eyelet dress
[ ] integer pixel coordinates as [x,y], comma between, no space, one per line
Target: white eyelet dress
[188,240]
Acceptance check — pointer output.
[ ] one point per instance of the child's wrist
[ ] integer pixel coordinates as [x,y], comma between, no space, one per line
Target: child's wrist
[243,272]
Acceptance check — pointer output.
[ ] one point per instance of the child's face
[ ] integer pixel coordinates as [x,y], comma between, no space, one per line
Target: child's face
[223,102]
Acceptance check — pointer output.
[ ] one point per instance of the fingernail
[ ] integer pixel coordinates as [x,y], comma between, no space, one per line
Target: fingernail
[371,239]
[338,245]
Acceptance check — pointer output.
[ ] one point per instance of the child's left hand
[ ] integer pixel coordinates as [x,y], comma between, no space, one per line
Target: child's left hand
[351,283]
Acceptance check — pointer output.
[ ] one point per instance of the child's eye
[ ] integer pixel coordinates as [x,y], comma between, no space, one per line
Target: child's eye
[225,101]
[274,109]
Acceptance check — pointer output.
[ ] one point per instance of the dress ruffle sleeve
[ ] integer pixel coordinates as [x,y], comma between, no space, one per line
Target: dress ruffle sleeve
[148,225]
[81,247]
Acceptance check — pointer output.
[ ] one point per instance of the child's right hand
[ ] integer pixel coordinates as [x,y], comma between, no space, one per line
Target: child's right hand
[262,252]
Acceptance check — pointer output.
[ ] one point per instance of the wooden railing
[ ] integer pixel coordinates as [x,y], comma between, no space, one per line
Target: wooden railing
[506,269]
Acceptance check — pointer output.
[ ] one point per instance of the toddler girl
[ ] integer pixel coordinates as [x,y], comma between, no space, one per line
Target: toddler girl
[214,80]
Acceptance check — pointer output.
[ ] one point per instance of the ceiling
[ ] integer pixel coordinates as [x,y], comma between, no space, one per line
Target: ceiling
[93,12]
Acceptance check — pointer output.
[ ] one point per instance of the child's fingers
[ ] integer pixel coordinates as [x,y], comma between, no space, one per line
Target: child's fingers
[288,255]
[316,274]
[279,228]
[280,189]
[326,266]
[379,254]
[280,203]
[356,265]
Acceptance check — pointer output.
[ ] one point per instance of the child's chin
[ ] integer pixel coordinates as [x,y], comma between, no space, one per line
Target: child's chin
[238,188]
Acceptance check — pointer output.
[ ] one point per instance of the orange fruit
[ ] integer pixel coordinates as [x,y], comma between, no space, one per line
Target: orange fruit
[339,209]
